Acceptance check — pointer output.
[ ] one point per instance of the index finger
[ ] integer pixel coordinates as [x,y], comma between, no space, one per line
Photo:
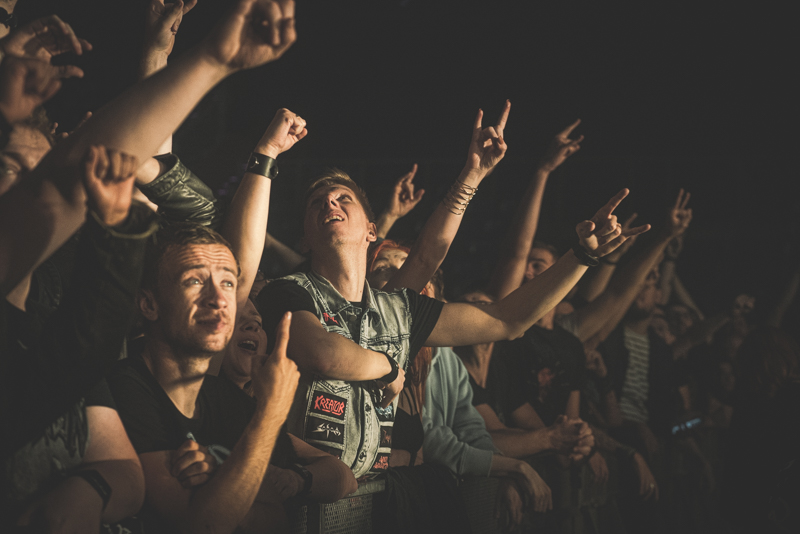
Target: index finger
[282,336]
[568,130]
[478,120]
[606,211]
[501,122]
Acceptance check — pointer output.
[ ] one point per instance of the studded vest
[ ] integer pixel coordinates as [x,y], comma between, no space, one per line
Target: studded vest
[345,418]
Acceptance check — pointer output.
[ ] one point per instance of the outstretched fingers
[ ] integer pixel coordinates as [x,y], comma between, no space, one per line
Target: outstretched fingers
[568,130]
[282,336]
[501,122]
[606,211]
[632,232]
[477,126]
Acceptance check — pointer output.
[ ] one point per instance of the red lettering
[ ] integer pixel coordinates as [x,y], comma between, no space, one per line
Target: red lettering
[324,404]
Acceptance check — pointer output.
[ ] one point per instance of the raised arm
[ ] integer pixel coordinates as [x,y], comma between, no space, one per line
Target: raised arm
[224,502]
[246,224]
[138,121]
[487,147]
[627,281]
[404,199]
[593,285]
[464,324]
[509,270]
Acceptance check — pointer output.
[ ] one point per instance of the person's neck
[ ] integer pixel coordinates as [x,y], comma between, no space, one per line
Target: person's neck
[548,321]
[180,375]
[479,368]
[345,269]
[17,296]
[639,325]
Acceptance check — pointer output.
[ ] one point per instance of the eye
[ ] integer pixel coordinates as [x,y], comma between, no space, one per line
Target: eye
[228,283]
[193,282]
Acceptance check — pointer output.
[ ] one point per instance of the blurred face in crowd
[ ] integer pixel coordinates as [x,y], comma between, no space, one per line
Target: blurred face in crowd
[26,148]
[645,303]
[248,341]
[334,216]
[194,309]
[477,297]
[539,260]
[681,318]
[388,262]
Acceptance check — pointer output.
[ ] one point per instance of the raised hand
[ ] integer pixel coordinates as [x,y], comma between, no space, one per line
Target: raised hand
[162,23]
[283,132]
[275,377]
[561,148]
[254,32]
[42,39]
[404,198]
[26,84]
[108,176]
[192,465]
[679,216]
[487,146]
[602,234]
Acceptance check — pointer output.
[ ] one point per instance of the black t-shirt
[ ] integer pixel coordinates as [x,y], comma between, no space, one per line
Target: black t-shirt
[281,296]
[154,423]
[551,364]
[504,391]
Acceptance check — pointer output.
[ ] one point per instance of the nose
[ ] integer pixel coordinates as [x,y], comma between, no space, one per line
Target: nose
[251,326]
[216,297]
[331,201]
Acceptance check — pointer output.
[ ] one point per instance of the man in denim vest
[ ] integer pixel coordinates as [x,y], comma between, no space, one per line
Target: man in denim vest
[352,343]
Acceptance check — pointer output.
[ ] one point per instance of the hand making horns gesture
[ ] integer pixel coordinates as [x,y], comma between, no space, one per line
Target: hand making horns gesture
[487,147]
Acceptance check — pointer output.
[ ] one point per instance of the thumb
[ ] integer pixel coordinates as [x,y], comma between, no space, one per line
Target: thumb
[418,194]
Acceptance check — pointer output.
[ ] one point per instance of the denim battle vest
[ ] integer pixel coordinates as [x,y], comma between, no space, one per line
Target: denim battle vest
[345,418]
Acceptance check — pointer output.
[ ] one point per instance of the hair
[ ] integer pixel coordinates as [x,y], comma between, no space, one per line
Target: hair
[177,235]
[768,360]
[376,249]
[40,122]
[546,246]
[337,177]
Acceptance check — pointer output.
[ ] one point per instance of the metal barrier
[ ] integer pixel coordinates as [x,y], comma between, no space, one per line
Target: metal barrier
[353,514]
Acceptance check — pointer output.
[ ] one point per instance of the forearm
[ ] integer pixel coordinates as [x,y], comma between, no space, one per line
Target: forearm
[613,413]
[433,243]
[225,500]
[595,283]
[518,443]
[127,487]
[522,308]
[667,279]
[332,480]
[683,295]
[245,227]
[509,270]
[503,465]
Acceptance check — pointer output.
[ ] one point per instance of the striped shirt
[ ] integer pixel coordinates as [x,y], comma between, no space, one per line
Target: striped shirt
[635,388]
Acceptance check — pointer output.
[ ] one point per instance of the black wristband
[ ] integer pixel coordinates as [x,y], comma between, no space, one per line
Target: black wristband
[584,258]
[391,376]
[96,480]
[262,165]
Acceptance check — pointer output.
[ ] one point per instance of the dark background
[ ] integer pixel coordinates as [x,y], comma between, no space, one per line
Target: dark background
[697,95]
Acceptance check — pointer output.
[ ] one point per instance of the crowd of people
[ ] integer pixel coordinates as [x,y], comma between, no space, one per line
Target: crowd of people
[152,379]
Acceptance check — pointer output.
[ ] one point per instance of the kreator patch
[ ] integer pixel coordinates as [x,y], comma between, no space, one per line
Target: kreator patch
[322,430]
[327,404]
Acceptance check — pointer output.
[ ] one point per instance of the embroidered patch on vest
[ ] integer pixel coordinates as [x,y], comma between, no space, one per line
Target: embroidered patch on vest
[330,320]
[385,414]
[381,462]
[386,437]
[327,404]
[321,430]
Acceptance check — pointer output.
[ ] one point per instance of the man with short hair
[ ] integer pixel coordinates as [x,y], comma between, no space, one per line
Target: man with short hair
[353,343]
[189,301]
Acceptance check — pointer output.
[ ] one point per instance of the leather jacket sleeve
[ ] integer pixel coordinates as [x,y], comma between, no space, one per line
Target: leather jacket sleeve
[181,196]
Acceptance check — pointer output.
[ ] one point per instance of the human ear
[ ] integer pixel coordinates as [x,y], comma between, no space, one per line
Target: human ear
[147,304]
[372,232]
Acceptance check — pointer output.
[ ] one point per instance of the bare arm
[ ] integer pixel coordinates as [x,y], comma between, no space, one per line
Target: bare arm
[684,296]
[329,354]
[486,149]
[509,270]
[514,442]
[465,324]
[225,501]
[245,226]
[332,479]
[625,284]
[137,122]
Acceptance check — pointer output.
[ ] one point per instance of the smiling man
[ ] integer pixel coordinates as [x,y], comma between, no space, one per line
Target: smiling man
[352,343]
